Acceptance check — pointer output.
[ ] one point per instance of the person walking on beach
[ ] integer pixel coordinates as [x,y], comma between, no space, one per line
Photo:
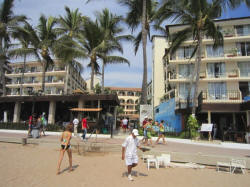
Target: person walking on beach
[149,135]
[129,151]
[144,129]
[84,127]
[125,124]
[30,126]
[75,122]
[161,133]
[65,146]
[44,123]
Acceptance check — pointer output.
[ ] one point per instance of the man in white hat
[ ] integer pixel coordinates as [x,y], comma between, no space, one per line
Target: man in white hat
[129,151]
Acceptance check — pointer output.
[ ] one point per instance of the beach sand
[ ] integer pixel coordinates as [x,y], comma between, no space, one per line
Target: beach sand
[35,165]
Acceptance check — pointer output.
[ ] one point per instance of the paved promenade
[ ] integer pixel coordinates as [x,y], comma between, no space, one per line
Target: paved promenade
[181,150]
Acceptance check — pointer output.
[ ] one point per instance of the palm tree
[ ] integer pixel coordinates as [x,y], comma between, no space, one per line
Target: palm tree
[24,49]
[199,17]
[8,22]
[43,40]
[69,28]
[141,13]
[109,23]
[87,45]
[71,24]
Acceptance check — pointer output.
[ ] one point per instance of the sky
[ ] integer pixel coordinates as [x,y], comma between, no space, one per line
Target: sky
[119,75]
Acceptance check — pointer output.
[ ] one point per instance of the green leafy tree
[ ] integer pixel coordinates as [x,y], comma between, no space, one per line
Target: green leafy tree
[110,25]
[70,26]
[8,23]
[23,49]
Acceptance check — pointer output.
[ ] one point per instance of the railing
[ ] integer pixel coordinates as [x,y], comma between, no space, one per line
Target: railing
[227,95]
[204,75]
[169,95]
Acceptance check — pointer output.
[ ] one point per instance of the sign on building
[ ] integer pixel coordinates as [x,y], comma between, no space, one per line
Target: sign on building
[145,110]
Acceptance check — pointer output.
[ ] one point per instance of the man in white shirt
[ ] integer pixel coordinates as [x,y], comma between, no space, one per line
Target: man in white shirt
[129,151]
[125,124]
[75,122]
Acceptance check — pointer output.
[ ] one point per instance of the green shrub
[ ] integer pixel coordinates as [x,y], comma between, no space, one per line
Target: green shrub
[193,126]
[14,126]
[25,126]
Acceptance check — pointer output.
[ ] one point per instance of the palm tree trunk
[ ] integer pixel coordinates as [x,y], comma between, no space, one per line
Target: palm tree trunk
[43,78]
[2,61]
[103,75]
[144,43]
[2,77]
[190,87]
[197,78]
[92,76]
[24,66]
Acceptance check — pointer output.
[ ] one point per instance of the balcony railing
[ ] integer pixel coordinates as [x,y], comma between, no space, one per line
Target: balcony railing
[230,96]
[204,75]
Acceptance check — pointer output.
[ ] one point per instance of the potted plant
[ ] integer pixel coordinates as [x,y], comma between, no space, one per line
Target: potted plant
[232,52]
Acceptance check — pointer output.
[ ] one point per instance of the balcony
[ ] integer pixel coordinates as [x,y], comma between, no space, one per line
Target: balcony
[215,77]
[229,96]
[228,57]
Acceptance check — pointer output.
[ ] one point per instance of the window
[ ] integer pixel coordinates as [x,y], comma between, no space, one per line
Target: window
[32,79]
[184,88]
[33,69]
[243,48]
[18,80]
[49,79]
[185,52]
[217,52]
[242,30]
[185,70]
[217,90]
[215,70]
[244,69]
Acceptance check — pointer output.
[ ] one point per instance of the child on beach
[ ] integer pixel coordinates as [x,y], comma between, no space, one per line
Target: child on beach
[65,146]
[161,133]
[149,130]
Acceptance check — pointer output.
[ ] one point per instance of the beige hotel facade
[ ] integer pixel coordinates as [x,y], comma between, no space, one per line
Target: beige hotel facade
[224,86]
[59,79]
[129,100]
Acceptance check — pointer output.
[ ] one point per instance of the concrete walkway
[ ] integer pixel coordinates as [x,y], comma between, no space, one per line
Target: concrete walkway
[181,150]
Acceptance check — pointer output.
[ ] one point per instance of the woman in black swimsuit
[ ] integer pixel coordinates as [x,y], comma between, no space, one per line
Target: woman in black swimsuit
[65,146]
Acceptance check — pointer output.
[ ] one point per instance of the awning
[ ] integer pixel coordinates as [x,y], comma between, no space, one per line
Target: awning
[86,109]
[78,91]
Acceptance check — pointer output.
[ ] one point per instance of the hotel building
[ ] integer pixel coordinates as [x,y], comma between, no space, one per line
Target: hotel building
[59,79]
[129,99]
[224,85]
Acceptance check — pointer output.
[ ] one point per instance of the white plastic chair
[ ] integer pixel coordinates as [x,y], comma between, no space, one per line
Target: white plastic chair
[238,163]
[160,161]
[166,158]
[152,159]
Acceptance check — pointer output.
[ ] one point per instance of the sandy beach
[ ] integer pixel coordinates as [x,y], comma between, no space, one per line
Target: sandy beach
[35,165]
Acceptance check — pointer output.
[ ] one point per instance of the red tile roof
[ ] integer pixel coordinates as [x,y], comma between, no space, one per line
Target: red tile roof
[125,89]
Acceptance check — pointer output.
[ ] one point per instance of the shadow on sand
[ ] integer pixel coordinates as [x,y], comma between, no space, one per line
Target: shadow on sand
[134,173]
[67,169]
